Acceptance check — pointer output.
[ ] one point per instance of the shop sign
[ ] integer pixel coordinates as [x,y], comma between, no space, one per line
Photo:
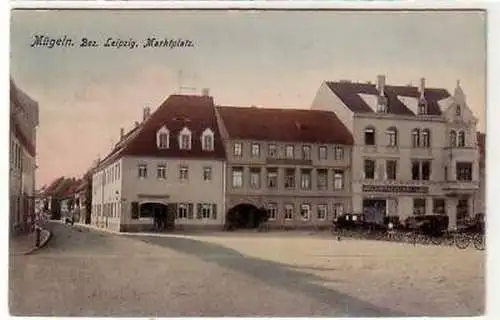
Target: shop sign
[395,189]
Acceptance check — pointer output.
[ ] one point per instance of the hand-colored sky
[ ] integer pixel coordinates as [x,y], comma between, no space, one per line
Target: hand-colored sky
[272,58]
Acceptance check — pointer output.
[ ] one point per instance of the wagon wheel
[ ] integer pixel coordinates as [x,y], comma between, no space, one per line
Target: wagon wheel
[462,240]
[479,241]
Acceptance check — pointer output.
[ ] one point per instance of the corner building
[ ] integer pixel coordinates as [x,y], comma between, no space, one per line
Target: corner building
[415,148]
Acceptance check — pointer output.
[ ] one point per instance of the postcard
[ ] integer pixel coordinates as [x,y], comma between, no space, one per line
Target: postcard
[277,163]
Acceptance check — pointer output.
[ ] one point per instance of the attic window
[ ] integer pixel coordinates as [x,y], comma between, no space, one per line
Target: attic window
[382,104]
[458,111]
[163,138]
[422,107]
[185,139]
[207,140]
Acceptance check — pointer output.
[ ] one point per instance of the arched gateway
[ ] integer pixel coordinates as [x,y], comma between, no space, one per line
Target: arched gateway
[245,216]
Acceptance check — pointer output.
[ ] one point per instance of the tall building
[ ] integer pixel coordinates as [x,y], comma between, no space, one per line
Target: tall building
[294,163]
[23,124]
[415,148]
[172,163]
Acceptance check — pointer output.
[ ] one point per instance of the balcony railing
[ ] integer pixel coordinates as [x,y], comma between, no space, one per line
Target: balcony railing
[460,185]
[288,161]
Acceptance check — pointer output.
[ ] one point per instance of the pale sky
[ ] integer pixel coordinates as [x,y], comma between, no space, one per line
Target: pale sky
[270,59]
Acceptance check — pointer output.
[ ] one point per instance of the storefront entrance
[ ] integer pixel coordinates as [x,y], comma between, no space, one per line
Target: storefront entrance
[462,210]
[375,205]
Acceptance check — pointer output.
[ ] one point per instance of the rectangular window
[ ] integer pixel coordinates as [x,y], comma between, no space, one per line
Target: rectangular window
[321,211]
[338,180]
[439,206]
[182,211]
[370,137]
[161,171]
[237,149]
[183,173]
[289,178]
[255,150]
[391,138]
[391,167]
[322,179]
[339,153]
[272,178]
[305,179]
[415,170]
[305,211]
[208,142]
[419,206]
[338,209]
[272,209]
[322,153]
[288,211]
[369,169]
[207,173]
[142,171]
[185,141]
[255,178]
[205,211]
[306,152]
[237,177]
[464,171]
[426,170]
[289,152]
[272,151]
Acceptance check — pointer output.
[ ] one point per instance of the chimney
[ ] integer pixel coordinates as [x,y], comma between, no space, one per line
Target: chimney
[122,133]
[421,88]
[205,92]
[146,112]
[381,84]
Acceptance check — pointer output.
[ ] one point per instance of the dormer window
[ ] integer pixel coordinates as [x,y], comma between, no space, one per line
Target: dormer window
[207,140]
[382,104]
[185,139]
[422,107]
[163,138]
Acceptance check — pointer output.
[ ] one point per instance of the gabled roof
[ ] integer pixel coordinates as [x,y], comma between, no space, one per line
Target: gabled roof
[197,113]
[349,92]
[284,125]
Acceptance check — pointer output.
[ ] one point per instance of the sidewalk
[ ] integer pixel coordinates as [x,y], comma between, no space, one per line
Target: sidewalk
[26,243]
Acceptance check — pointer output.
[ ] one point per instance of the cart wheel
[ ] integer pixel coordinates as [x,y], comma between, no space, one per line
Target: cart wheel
[462,241]
[479,242]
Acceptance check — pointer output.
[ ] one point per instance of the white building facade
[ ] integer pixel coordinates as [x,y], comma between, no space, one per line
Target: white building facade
[171,165]
[23,123]
[415,148]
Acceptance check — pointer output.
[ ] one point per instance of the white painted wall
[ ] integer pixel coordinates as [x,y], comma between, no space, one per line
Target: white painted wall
[326,100]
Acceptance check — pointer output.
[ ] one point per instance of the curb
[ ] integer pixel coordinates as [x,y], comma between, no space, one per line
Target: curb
[43,242]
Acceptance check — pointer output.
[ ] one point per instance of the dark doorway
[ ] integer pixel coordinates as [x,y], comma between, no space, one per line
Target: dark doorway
[245,216]
[375,207]
[159,213]
[462,211]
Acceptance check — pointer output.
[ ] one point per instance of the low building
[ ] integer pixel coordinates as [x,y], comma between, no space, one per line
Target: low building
[172,164]
[415,148]
[294,163]
[23,123]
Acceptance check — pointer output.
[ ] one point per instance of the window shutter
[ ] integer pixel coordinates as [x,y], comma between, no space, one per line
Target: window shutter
[190,211]
[135,210]
[198,211]
[214,211]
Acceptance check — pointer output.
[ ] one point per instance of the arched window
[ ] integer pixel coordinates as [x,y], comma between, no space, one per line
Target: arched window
[370,136]
[415,138]
[392,137]
[453,138]
[207,140]
[461,139]
[163,138]
[426,138]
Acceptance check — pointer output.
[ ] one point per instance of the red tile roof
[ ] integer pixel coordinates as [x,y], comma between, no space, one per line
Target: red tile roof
[197,113]
[348,93]
[284,125]
[481,141]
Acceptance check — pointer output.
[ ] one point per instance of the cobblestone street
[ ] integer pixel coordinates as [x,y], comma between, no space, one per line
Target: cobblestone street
[83,272]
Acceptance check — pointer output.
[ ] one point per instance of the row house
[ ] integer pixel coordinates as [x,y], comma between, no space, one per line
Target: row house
[23,124]
[294,163]
[415,148]
[170,164]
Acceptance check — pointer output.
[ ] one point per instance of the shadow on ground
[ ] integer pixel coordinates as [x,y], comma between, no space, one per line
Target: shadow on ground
[275,274]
